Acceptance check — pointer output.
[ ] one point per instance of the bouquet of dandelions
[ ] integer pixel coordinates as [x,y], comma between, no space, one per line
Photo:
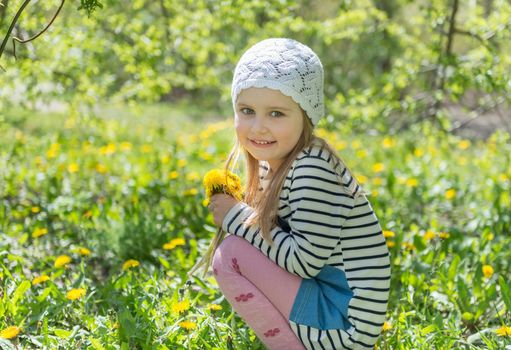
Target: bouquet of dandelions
[217,181]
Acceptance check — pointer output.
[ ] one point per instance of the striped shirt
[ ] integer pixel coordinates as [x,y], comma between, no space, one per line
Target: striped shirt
[326,226]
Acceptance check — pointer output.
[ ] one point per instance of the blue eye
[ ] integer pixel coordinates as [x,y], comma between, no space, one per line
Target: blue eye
[276,114]
[246,110]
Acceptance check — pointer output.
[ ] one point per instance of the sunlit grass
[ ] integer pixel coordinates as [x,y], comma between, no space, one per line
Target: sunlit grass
[101,218]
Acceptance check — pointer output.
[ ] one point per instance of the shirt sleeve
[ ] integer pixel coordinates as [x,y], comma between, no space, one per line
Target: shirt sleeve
[319,206]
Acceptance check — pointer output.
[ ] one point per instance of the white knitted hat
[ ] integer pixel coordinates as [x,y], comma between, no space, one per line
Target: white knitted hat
[285,65]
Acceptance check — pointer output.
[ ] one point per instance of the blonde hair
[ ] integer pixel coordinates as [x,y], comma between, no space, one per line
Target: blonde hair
[266,204]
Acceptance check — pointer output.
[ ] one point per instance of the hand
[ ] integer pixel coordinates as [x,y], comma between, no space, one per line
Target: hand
[219,205]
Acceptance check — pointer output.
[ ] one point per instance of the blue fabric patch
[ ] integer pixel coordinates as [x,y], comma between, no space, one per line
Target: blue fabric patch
[322,302]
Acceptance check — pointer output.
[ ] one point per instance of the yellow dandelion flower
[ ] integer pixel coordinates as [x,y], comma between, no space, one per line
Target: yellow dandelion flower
[62,261]
[361,153]
[386,326]
[388,142]
[378,167]
[490,236]
[165,159]
[40,279]
[444,235]
[487,271]
[362,179]
[450,194]
[218,181]
[419,152]
[177,242]
[53,151]
[388,234]
[10,332]
[146,149]
[464,144]
[188,325]
[73,168]
[205,156]
[173,175]
[391,244]
[125,146]
[356,144]
[174,243]
[340,145]
[116,325]
[205,202]
[83,251]
[75,293]
[377,181]
[128,264]
[504,331]
[214,307]
[429,235]
[181,163]
[408,246]
[108,149]
[191,192]
[181,306]
[38,232]
[100,168]
[412,182]
[35,210]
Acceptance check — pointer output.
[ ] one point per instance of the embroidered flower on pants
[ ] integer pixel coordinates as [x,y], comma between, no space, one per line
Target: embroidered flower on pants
[235,265]
[244,297]
[272,332]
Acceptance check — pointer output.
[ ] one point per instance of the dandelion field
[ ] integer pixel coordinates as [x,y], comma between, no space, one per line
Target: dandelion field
[101,218]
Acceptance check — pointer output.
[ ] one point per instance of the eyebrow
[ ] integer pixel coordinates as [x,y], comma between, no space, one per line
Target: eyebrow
[241,104]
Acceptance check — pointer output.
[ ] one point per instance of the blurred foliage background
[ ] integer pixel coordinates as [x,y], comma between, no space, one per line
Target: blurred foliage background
[389,64]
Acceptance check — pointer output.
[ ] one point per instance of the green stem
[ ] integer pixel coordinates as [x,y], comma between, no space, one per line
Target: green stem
[11,27]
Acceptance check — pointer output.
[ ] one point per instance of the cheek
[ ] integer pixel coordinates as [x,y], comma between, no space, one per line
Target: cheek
[241,127]
[294,134]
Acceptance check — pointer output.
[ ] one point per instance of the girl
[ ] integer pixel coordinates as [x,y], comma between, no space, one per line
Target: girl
[305,264]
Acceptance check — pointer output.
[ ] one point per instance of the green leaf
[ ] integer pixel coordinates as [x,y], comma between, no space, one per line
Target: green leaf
[44,294]
[164,262]
[453,269]
[22,288]
[506,292]
[62,333]
[96,344]
[428,329]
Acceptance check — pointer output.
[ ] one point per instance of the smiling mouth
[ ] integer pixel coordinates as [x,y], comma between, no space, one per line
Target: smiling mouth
[259,142]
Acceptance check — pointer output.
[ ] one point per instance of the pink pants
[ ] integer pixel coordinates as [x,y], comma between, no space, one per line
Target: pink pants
[259,290]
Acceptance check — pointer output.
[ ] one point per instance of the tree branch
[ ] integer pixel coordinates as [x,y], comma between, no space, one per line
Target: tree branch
[11,27]
[21,41]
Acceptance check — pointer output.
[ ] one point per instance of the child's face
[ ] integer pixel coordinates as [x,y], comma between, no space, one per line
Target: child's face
[268,124]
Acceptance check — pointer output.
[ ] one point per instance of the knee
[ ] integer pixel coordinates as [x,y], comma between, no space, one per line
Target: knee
[226,252]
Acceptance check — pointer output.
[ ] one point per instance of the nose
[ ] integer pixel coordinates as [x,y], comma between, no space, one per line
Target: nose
[259,124]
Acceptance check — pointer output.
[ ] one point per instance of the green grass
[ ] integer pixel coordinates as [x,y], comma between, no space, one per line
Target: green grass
[125,183]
